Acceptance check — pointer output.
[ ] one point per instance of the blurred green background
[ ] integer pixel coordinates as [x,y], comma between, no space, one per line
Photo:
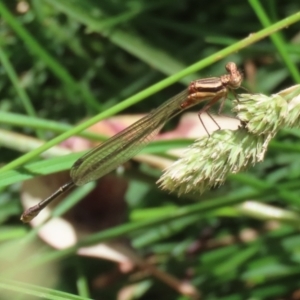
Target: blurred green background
[62,62]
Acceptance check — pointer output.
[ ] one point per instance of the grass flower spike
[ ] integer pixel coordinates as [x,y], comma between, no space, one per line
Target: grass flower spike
[209,161]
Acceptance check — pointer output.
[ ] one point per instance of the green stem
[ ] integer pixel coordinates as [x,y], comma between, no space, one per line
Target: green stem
[276,38]
[58,70]
[156,87]
[18,87]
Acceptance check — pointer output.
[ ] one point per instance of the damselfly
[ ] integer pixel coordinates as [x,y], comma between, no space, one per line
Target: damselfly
[104,158]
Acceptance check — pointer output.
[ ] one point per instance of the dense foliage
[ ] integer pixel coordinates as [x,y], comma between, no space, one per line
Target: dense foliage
[62,62]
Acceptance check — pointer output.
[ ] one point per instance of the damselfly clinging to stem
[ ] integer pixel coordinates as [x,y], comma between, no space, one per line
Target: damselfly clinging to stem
[104,158]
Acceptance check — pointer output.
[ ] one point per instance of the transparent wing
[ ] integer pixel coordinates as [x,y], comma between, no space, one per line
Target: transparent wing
[124,145]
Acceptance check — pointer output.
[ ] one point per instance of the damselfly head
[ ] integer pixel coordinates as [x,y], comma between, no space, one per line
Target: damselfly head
[235,77]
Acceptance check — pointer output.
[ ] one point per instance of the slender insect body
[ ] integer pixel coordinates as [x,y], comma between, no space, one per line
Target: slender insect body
[104,158]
